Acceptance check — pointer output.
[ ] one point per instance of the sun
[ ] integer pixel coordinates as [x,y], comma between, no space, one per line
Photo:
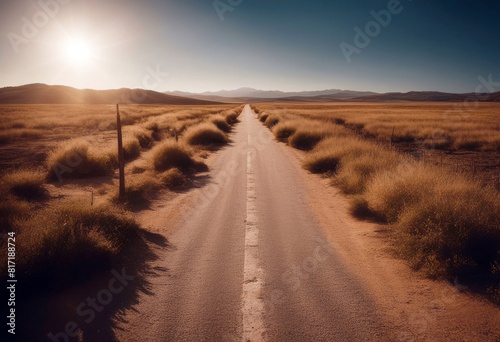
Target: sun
[78,52]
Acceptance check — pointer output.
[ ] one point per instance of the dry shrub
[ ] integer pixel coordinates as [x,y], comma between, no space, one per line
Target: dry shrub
[76,240]
[144,136]
[25,184]
[272,120]
[454,232]
[138,190]
[174,178]
[172,154]
[327,154]
[308,134]
[263,116]
[131,148]
[358,168]
[15,134]
[77,159]
[390,193]
[359,208]
[221,123]
[283,130]
[449,225]
[232,117]
[205,134]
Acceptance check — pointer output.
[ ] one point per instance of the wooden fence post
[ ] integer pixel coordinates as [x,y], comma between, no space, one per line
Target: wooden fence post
[121,164]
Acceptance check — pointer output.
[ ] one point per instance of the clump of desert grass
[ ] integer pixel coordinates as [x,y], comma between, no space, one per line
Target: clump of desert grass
[24,184]
[171,154]
[221,123]
[131,148]
[308,134]
[78,159]
[205,134]
[449,225]
[144,136]
[138,190]
[174,179]
[232,116]
[283,130]
[255,109]
[75,239]
[272,120]
[262,116]
[17,134]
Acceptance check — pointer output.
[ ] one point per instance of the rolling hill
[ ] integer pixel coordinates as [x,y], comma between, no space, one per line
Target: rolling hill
[57,94]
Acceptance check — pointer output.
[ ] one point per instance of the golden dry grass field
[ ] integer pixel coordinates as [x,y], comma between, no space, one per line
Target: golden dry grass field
[58,178]
[428,171]
[462,136]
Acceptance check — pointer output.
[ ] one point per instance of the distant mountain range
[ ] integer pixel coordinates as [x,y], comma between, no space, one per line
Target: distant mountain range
[335,95]
[57,94]
[275,94]
[253,95]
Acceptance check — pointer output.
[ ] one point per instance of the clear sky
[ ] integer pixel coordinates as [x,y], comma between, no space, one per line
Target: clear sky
[289,45]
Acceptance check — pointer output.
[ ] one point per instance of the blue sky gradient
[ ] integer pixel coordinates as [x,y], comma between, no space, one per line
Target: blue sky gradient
[288,45]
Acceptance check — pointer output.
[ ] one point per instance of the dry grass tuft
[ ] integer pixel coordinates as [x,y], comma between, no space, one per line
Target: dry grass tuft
[306,136]
[221,123]
[77,159]
[131,148]
[205,134]
[263,116]
[138,190]
[449,226]
[171,154]
[232,117]
[75,239]
[16,134]
[283,130]
[144,136]
[28,185]
[174,179]
[272,120]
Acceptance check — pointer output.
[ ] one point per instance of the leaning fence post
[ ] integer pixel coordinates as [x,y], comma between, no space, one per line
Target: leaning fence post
[121,165]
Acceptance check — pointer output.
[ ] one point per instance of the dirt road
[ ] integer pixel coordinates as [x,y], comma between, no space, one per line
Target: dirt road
[258,253]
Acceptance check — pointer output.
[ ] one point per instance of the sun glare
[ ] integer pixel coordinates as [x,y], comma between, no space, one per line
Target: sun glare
[78,52]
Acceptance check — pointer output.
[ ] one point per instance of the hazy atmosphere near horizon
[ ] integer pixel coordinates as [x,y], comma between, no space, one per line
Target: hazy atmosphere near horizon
[201,45]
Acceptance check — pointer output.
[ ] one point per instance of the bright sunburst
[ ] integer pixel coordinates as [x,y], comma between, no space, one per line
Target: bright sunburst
[78,52]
